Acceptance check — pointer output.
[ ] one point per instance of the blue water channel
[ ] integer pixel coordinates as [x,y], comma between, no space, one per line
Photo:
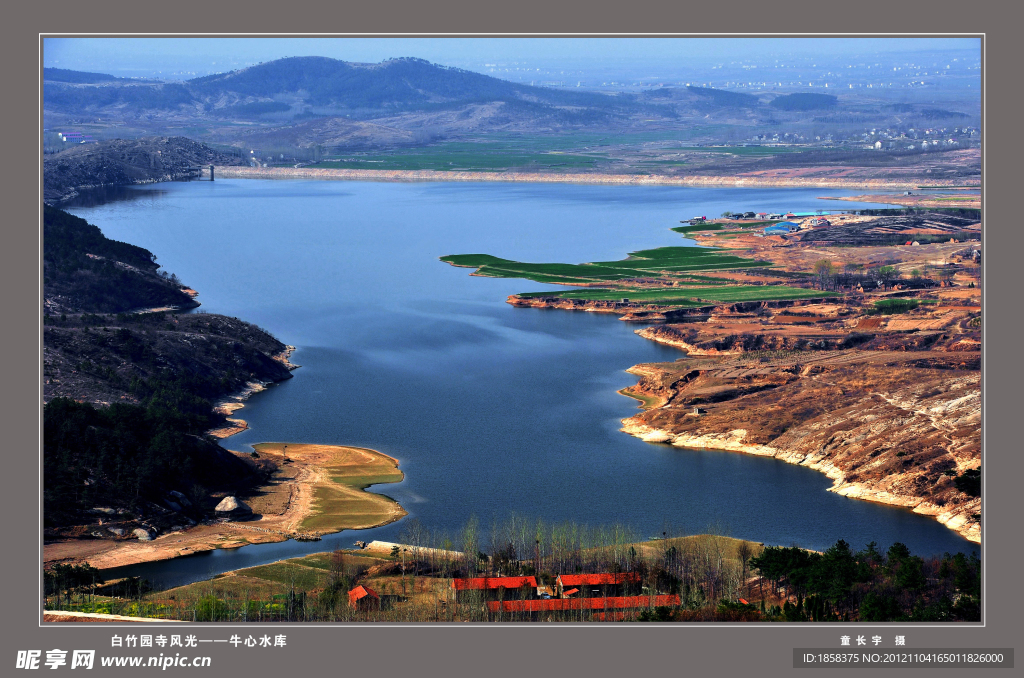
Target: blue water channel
[490,410]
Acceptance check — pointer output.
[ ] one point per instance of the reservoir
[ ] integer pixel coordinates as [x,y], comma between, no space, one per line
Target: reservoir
[491,410]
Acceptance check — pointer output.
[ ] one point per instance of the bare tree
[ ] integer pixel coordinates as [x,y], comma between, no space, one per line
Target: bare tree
[825,272]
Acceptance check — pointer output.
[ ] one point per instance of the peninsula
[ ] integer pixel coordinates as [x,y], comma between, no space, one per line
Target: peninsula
[133,468]
[820,340]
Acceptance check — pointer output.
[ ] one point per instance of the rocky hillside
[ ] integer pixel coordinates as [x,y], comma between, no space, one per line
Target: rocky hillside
[122,162]
[98,347]
[129,394]
[125,358]
[898,427]
[83,271]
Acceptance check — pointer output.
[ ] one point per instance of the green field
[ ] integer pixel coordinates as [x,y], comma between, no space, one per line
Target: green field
[698,227]
[471,160]
[719,225]
[514,152]
[644,263]
[690,296]
[741,150]
[680,266]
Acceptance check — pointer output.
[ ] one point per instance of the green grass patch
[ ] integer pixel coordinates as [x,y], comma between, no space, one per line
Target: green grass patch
[690,296]
[287,573]
[646,401]
[698,227]
[741,150]
[325,561]
[474,260]
[482,156]
[642,263]
[680,265]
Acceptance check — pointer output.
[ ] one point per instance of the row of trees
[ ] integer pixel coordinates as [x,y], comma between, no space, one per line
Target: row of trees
[712,575]
[127,455]
[829,275]
[841,584]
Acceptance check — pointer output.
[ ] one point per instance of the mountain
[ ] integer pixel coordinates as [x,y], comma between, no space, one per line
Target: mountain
[123,162]
[298,86]
[65,75]
[300,108]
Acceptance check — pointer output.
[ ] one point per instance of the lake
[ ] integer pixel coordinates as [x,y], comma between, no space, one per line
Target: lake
[489,409]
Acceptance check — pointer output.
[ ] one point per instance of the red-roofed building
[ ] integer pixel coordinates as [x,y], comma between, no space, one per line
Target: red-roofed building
[567,604]
[492,588]
[600,584]
[483,583]
[363,598]
[598,579]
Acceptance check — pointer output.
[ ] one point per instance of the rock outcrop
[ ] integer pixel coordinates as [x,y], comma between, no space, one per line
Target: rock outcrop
[232,508]
[890,427]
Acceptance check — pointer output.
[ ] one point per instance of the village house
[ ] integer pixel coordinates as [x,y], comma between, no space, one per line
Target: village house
[494,588]
[363,598]
[591,585]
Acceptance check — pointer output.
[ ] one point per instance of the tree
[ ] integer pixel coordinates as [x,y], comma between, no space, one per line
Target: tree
[886,274]
[69,579]
[744,552]
[825,272]
[969,482]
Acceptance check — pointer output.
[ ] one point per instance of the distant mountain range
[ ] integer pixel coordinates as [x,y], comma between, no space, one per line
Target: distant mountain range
[317,100]
[301,87]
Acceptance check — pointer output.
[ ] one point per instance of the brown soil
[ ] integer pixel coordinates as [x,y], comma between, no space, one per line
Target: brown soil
[280,507]
[885,424]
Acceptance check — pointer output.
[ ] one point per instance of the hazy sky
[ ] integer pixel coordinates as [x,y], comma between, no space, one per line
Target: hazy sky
[186,57]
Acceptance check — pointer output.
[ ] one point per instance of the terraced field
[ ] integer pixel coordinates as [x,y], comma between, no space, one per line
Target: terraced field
[690,296]
[654,263]
[663,276]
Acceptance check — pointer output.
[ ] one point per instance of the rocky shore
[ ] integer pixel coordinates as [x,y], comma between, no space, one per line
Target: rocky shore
[956,517]
[883,426]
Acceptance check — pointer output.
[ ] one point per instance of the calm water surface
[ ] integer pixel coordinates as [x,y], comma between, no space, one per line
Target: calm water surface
[489,409]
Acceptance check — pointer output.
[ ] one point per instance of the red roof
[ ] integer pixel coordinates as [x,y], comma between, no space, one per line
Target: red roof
[570,592]
[619,603]
[485,583]
[360,592]
[597,579]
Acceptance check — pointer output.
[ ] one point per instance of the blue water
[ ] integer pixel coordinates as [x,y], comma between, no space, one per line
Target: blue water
[489,409]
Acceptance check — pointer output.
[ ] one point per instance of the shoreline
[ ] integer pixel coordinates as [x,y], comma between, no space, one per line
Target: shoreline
[955,520]
[279,508]
[298,506]
[236,401]
[232,172]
